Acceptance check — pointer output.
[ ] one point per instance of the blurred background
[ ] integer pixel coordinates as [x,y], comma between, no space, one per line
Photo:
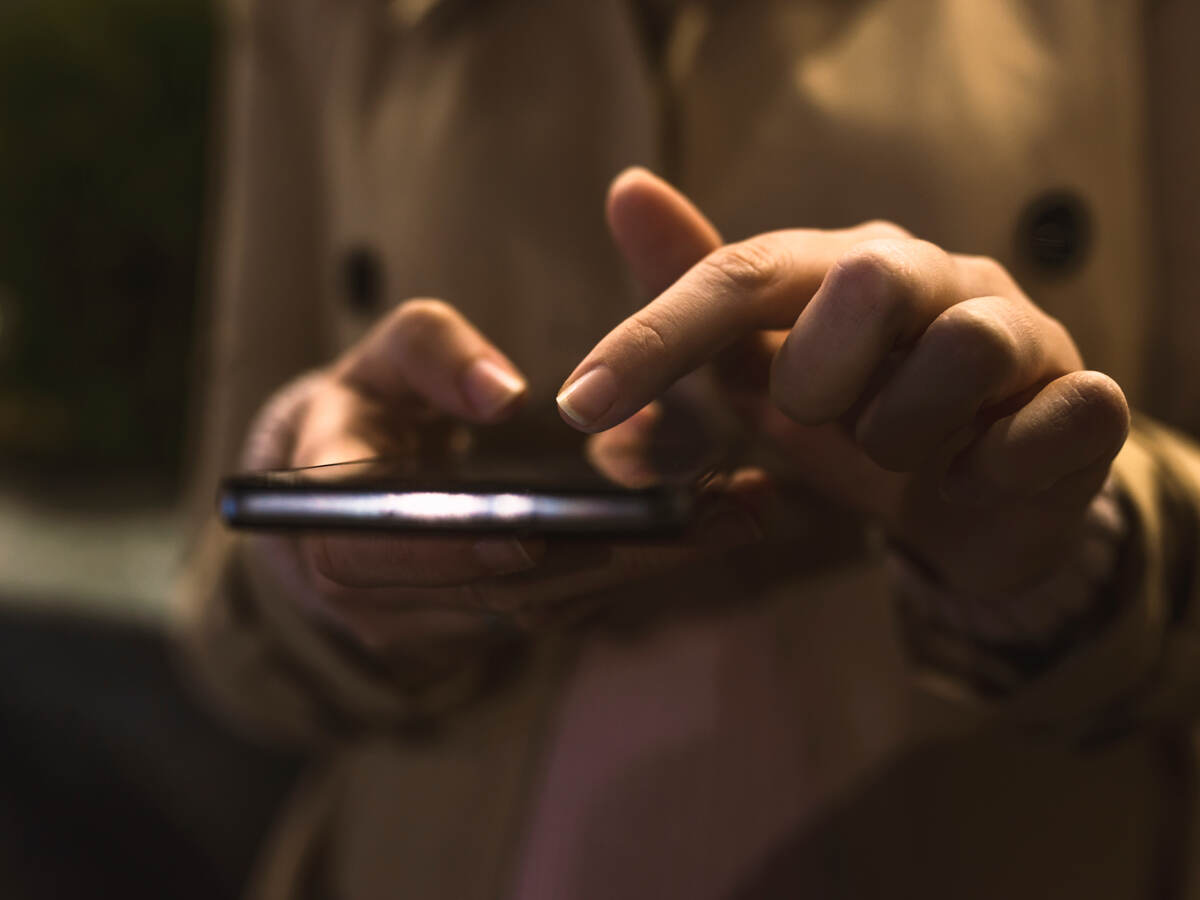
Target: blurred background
[104,123]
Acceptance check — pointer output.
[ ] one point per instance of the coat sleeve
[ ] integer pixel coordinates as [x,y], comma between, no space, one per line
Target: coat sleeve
[246,640]
[256,645]
[263,328]
[263,324]
[1134,658]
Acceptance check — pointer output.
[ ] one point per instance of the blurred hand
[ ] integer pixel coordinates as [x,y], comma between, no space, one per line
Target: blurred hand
[406,390]
[921,387]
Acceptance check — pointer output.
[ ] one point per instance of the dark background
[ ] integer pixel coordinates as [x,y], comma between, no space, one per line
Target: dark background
[104,121]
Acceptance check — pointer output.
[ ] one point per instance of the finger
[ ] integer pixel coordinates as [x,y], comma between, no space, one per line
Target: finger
[1076,422]
[427,348]
[658,231]
[878,297]
[376,616]
[569,573]
[662,235]
[739,288]
[371,561]
[973,356]
[417,643]
[738,516]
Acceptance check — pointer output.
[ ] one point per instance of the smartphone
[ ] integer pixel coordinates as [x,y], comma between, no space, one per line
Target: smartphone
[502,486]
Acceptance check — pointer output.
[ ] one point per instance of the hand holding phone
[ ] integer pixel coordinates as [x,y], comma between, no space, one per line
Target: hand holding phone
[505,480]
[405,390]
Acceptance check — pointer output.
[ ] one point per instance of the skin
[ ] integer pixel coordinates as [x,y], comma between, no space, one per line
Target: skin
[922,388]
[424,603]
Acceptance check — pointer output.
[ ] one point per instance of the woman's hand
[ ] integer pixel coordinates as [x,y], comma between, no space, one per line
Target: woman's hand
[922,387]
[407,389]
[404,390]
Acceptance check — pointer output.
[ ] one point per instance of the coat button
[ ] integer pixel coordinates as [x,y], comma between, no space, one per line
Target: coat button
[362,279]
[1054,233]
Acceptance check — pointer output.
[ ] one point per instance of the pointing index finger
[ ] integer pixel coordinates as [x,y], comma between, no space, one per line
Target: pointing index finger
[760,283]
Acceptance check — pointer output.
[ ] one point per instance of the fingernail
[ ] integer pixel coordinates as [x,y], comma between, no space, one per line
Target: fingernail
[503,556]
[489,387]
[589,397]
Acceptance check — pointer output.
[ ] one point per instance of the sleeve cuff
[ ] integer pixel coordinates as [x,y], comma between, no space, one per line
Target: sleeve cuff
[1072,671]
[1034,616]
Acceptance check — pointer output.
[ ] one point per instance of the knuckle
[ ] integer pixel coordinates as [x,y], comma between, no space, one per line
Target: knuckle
[880,260]
[988,268]
[978,340]
[875,229]
[985,275]
[876,274]
[747,265]
[646,333]
[423,319]
[424,309]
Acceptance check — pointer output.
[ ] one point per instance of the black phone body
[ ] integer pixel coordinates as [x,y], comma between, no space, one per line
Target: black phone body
[505,489]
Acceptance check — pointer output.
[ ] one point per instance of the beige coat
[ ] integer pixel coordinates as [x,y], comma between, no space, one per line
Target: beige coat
[382,150]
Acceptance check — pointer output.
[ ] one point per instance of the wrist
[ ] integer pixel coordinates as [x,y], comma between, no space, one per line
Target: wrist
[1036,613]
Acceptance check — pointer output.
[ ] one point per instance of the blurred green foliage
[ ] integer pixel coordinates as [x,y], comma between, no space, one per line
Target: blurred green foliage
[104,114]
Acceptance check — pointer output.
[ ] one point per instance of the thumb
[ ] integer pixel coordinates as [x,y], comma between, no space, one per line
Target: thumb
[660,232]
[425,349]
